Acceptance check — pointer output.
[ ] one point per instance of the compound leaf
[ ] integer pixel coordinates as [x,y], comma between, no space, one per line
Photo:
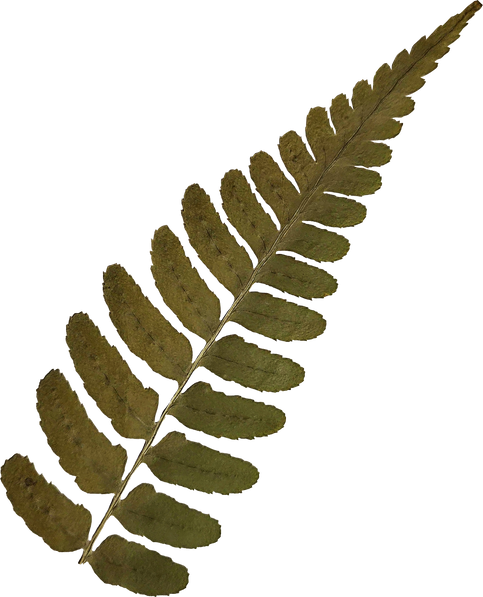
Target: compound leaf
[344,145]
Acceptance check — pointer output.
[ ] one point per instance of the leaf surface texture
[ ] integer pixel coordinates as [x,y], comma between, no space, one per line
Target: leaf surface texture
[161,518]
[277,318]
[217,414]
[181,286]
[130,565]
[234,359]
[47,512]
[344,144]
[109,381]
[83,451]
[148,334]
[190,464]
[216,246]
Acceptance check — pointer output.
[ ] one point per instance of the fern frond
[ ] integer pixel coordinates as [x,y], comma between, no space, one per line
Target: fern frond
[345,147]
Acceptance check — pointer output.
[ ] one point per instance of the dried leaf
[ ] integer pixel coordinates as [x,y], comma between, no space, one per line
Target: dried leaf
[142,327]
[277,318]
[234,359]
[181,286]
[211,239]
[182,462]
[109,381]
[215,413]
[83,451]
[161,518]
[127,564]
[47,512]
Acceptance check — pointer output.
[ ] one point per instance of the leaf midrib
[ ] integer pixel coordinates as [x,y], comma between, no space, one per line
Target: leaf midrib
[306,196]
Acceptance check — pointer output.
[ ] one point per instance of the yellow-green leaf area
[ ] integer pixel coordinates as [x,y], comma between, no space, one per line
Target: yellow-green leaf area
[246,214]
[277,318]
[216,246]
[215,413]
[83,451]
[163,519]
[147,333]
[127,564]
[331,210]
[190,464]
[181,286]
[315,243]
[47,512]
[234,359]
[109,380]
[296,277]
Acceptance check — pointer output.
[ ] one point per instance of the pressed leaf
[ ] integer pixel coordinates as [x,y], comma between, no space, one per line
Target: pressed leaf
[161,518]
[181,286]
[47,512]
[234,359]
[277,318]
[215,245]
[335,211]
[142,327]
[109,381]
[274,187]
[182,462]
[83,451]
[127,564]
[373,113]
[345,150]
[315,243]
[296,277]
[246,214]
[215,413]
